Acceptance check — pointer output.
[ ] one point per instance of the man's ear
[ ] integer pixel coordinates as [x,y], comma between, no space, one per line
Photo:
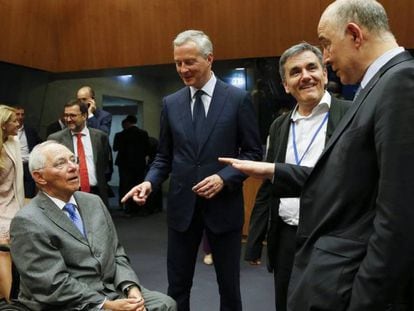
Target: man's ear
[325,77]
[355,31]
[286,87]
[210,59]
[38,178]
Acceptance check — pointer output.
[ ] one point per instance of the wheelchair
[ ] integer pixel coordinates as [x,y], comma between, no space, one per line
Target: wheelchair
[14,305]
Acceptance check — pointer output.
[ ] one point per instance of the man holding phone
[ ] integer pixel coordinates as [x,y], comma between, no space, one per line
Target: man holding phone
[97,118]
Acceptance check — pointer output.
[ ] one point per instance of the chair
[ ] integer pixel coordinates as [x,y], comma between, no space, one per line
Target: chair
[14,305]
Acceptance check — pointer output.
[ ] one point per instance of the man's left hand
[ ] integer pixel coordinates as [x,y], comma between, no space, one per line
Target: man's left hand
[134,292]
[209,186]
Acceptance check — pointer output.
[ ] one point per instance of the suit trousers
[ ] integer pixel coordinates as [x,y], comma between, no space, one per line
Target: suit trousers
[285,255]
[181,259]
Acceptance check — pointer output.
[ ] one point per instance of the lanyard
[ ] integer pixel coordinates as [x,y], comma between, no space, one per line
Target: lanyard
[295,149]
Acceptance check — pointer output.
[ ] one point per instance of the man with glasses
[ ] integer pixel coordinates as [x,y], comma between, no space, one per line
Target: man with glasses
[73,260]
[90,145]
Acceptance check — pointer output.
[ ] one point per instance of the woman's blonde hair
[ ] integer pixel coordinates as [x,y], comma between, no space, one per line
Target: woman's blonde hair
[6,113]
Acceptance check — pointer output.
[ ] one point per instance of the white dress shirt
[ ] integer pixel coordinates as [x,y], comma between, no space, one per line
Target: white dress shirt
[378,63]
[24,146]
[61,204]
[305,130]
[208,90]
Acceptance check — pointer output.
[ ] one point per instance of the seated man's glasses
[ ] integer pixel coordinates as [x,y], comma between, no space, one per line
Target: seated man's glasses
[64,162]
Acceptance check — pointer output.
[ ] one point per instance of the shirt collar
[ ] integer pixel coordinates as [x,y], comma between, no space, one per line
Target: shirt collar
[208,88]
[60,203]
[84,132]
[379,63]
[323,106]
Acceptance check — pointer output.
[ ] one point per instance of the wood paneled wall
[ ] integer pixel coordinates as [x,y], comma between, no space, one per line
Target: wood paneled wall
[73,35]
[28,33]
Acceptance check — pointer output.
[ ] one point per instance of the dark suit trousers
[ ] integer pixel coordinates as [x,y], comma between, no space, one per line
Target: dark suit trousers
[181,259]
[285,254]
[259,220]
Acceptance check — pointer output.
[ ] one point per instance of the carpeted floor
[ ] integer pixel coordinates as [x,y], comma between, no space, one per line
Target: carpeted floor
[145,241]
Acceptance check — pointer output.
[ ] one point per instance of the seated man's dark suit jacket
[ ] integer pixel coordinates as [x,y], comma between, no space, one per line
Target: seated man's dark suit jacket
[356,233]
[101,156]
[59,268]
[266,205]
[231,131]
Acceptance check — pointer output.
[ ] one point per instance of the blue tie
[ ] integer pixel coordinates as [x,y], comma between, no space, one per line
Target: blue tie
[199,115]
[77,221]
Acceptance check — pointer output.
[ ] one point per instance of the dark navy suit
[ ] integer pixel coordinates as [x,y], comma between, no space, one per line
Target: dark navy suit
[101,120]
[230,130]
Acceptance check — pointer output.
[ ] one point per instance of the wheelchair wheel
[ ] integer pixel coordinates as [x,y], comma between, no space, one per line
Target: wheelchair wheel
[13,306]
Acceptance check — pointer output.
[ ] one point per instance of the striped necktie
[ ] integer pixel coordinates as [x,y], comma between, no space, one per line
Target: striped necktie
[74,216]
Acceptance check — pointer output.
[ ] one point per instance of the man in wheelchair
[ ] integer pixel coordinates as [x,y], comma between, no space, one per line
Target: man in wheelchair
[65,246]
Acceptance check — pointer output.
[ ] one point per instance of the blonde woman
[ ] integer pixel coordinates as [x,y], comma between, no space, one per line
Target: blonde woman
[11,189]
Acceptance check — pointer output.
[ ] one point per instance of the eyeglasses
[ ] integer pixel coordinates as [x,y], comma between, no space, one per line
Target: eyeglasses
[71,115]
[64,162]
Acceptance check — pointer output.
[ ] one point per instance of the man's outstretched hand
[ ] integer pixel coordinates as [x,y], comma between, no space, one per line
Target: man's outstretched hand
[261,170]
[139,193]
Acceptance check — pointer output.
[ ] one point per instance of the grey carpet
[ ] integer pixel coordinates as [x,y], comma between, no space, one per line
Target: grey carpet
[145,241]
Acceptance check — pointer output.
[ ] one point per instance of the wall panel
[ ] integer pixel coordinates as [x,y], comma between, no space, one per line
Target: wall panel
[130,33]
[28,34]
[401,16]
[72,35]
[24,87]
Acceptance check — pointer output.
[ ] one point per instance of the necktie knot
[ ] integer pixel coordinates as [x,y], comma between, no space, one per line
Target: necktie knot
[198,94]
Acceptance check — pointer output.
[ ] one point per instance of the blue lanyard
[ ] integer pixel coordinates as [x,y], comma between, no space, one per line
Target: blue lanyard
[295,149]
